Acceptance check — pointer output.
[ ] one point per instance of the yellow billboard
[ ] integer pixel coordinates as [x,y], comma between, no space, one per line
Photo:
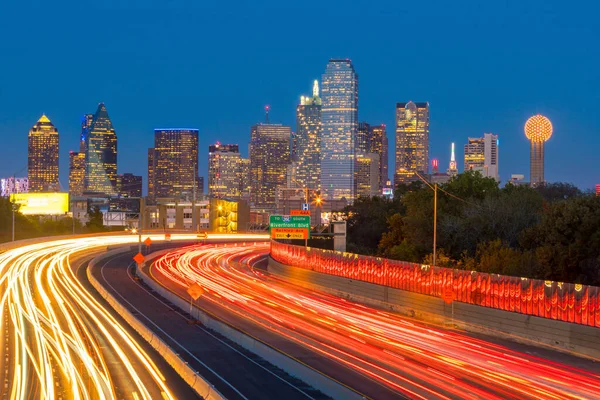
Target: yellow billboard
[41,203]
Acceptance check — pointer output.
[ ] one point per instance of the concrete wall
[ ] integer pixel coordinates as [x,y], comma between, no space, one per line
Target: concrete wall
[579,339]
[191,377]
[290,365]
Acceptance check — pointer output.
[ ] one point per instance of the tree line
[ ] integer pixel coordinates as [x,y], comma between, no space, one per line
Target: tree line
[550,232]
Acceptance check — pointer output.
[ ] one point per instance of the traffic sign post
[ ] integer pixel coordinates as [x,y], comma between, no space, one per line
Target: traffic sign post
[300,212]
[195,291]
[289,233]
[289,227]
[448,297]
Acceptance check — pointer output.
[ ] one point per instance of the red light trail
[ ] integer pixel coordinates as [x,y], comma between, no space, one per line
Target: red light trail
[412,358]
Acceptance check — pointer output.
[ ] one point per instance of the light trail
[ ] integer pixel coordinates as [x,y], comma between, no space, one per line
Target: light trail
[61,342]
[414,359]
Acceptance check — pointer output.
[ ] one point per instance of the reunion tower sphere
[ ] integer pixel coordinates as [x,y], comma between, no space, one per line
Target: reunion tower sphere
[538,130]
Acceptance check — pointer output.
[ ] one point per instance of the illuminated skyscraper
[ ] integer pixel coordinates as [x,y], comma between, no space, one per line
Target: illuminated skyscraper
[151,168]
[224,171]
[42,163]
[379,146]
[481,154]
[308,140]
[86,123]
[366,171]
[339,117]
[175,162]
[453,167]
[269,159]
[76,173]
[129,185]
[245,179]
[412,141]
[101,154]
[538,130]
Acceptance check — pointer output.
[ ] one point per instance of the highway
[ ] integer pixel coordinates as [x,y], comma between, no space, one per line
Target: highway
[60,340]
[235,372]
[407,358]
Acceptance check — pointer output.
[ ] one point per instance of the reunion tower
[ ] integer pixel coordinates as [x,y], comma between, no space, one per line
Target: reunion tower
[538,130]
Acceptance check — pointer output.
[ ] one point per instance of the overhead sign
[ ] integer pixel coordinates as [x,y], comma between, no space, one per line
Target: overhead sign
[41,203]
[305,206]
[292,221]
[300,212]
[289,233]
[195,291]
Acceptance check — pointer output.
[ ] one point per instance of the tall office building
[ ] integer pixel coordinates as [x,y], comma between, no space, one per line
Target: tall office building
[269,159]
[362,143]
[175,162]
[101,154]
[223,171]
[379,146]
[42,160]
[151,168]
[481,154]
[308,140]
[339,116]
[129,185]
[76,173]
[367,178]
[86,124]
[412,141]
[538,129]
[245,179]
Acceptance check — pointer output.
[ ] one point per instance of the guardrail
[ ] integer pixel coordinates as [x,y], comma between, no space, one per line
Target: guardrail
[568,302]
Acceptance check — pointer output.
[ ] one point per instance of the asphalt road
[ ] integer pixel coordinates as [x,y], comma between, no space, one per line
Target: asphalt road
[235,372]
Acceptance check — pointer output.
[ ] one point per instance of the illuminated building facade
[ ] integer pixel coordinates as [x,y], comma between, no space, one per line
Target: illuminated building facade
[453,167]
[129,185]
[86,124]
[481,154]
[224,171]
[228,216]
[412,141]
[269,159]
[538,129]
[339,116]
[101,154]
[379,145]
[366,171]
[245,179]
[308,140]
[76,173]
[598,190]
[175,163]
[151,168]
[12,185]
[42,160]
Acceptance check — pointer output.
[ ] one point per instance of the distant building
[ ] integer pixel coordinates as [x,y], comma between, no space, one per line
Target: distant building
[598,190]
[224,171]
[518,179]
[308,140]
[175,163]
[76,173]
[379,145]
[151,177]
[481,154]
[129,185]
[12,185]
[339,116]
[101,153]
[538,129]
[245,179]
[437,176]
[412,141]
[367,179]
[453,166]
[269,159]
[42,162]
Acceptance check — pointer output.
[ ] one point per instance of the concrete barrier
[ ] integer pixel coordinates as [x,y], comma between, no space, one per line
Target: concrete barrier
[191,377]
[563,336]
[281,360]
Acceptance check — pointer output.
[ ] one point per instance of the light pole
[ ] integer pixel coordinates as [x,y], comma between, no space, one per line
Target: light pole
[434,188]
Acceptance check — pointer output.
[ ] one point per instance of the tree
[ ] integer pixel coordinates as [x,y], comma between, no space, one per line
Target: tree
[366,223]
[95,219]
[558,191]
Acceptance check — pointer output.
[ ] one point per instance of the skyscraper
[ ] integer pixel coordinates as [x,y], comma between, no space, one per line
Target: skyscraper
[224,171]
[101,154]
[339,117]
[175,162]
[269,159]
[379,146]
[245,179]
[412,141]
[481,154]
[86,123]
[308,140]
[362,143]
[453,167]
[76,173]
[538,130]
[367,179]
[151,168]
[42,160]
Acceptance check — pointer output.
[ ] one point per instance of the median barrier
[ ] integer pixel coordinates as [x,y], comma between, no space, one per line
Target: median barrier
[196,381]
[578,339]
[281,360]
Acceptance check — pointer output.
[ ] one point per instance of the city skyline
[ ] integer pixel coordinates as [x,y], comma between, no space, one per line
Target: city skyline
[498,95]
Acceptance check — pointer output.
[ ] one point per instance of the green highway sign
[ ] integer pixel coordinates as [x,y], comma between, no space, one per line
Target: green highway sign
[292,221]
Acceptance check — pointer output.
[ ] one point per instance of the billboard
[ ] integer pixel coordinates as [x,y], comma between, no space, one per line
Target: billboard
[41,203]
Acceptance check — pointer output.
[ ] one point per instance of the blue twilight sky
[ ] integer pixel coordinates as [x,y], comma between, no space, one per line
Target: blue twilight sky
[484,66]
